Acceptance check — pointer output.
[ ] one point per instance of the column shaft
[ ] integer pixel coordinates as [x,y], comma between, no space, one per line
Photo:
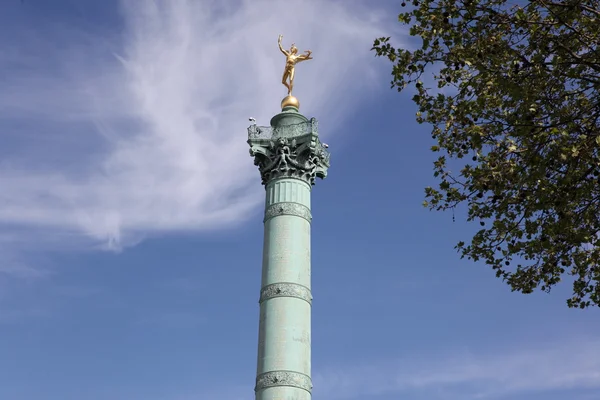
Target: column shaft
[284,357]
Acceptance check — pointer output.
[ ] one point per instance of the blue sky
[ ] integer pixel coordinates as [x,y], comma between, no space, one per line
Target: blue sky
[131,229]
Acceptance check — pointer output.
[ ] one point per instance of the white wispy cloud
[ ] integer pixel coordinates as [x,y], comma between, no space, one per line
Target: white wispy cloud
[111,136]
[569,365]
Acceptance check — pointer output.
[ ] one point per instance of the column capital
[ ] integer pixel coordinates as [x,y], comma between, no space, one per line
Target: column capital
[290,148]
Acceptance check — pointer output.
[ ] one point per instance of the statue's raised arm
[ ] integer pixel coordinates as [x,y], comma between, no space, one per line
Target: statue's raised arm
[281,47]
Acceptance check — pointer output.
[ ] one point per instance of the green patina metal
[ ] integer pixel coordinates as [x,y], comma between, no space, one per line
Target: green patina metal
[290,157]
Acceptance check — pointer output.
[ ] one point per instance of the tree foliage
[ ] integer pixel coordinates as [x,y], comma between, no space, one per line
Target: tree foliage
[521,109]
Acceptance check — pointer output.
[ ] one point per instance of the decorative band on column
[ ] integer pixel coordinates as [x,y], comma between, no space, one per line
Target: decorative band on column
[285,290]
[283,378]
[296,209]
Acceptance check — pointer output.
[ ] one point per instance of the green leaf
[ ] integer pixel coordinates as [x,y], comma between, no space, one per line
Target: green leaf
[520,130]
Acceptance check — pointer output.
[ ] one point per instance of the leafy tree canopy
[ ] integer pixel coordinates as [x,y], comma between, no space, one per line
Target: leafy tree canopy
[523,115]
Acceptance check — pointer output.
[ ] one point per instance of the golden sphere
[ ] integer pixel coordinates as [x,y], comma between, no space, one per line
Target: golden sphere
[290,101]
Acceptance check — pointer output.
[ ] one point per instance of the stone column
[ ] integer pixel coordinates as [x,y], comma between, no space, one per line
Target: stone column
[289,156]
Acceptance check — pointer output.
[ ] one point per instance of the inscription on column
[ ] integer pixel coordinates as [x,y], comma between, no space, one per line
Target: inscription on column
[283,378]
[285,290]
[299,210]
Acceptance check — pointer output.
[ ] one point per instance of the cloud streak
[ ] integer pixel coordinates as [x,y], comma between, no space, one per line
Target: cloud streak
[569,365]
[114,137]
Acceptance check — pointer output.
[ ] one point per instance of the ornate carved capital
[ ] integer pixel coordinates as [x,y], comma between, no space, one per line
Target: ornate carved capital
[285,290]
[287,208]
[283,378]
[292,151]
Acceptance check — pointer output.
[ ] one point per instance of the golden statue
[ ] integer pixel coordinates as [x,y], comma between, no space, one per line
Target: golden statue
[291,59]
